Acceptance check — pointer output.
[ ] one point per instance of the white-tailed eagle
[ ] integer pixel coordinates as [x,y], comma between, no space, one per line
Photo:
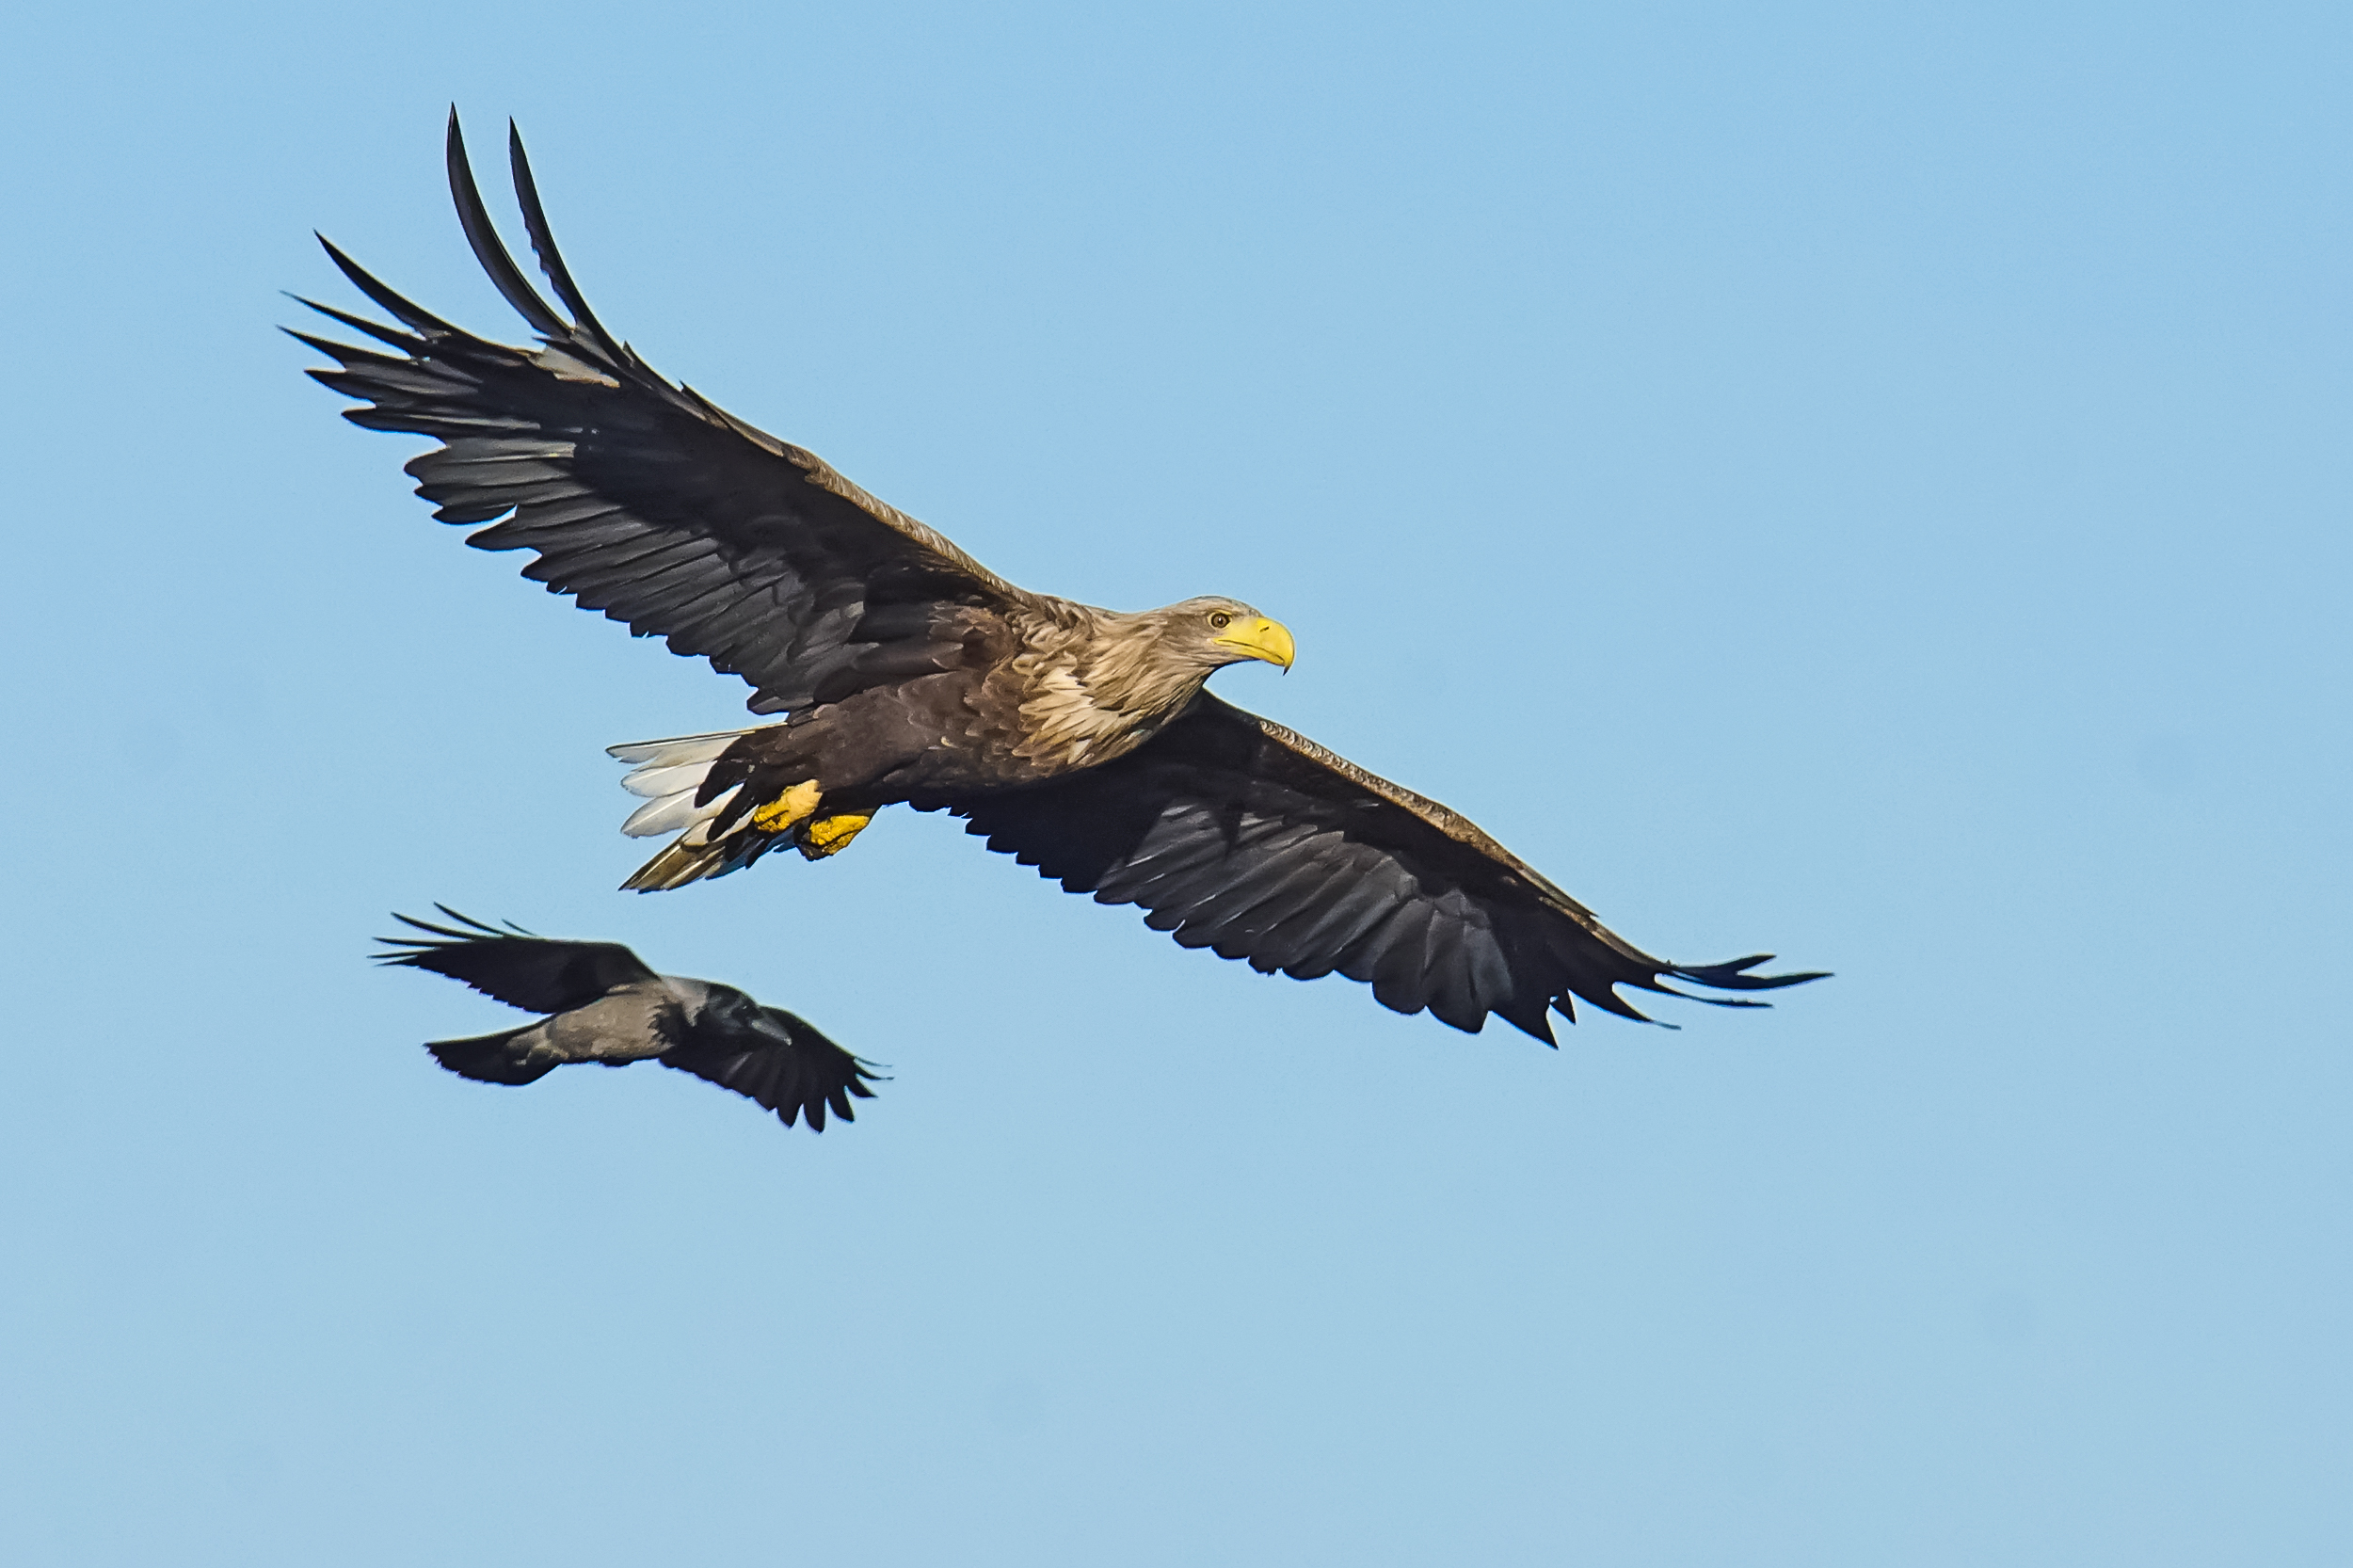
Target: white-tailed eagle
[1079,740]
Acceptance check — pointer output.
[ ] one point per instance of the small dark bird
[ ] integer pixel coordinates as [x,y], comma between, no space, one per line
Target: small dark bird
[604,1005]
[1079,740]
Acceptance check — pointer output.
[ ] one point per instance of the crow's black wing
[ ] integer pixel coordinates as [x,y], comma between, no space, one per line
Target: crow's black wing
[796,1079]
[514,967]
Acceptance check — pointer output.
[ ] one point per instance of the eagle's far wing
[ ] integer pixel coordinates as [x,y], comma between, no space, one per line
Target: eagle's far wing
[535,973]
[799,1080]
[1238,836]
[642,499]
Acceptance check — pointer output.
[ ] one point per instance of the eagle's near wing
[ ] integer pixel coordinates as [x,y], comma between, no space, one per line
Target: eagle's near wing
[798,1080]
[645,501]
[535,973]
[1241,837]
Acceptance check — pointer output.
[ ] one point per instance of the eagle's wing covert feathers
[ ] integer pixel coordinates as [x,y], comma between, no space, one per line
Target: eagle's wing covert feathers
[1238,836]
[642,499]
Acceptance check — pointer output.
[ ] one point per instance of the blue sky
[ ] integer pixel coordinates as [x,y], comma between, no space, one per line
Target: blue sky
[1860,481]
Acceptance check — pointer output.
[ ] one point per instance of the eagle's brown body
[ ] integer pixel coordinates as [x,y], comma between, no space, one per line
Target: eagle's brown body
[983,700]
[1079,740]
[1016,697]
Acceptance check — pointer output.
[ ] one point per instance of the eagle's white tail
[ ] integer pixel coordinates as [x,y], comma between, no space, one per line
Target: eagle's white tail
[669,773]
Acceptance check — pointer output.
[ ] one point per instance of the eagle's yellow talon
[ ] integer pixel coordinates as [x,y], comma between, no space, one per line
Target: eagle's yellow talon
[793,806]
[832,834]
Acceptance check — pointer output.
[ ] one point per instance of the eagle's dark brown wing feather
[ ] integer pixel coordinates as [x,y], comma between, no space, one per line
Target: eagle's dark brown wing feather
[536,973]
[642,499]
[1241,837]
[801,1079]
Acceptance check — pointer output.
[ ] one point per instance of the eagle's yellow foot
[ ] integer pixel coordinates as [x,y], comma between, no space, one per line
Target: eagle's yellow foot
[794,806]
[831,835]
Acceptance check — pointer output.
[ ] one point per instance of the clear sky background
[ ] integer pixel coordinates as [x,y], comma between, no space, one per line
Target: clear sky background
[1862,481]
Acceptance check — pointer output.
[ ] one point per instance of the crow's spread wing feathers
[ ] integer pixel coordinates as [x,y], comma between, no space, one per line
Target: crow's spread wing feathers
[799,1080]
[536,973]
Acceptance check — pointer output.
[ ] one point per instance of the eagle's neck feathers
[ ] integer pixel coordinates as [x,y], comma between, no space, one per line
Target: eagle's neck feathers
[1096,684]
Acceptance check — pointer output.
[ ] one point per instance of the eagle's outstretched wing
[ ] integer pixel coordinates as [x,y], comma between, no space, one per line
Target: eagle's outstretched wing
[645,501]
[1241,837]
[536,973]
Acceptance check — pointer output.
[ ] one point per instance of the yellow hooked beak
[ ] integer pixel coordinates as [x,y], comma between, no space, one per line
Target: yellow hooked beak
[1262,638]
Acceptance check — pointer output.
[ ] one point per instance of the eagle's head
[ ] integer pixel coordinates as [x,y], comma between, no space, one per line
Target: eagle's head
[1211,632]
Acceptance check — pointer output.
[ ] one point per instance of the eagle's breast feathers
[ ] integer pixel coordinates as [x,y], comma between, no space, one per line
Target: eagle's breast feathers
[1089,686]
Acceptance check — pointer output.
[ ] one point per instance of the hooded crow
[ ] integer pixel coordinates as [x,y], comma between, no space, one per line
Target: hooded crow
[603,1004]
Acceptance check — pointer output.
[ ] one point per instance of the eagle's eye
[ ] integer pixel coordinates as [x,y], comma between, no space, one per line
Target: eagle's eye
[1221,620]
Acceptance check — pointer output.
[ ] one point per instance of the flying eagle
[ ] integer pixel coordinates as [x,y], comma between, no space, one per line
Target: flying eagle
[1079,740]
[605,1005]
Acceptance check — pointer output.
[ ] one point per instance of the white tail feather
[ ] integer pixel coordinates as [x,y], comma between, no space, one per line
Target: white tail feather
[655,780]
[673,812]
[677,748]
[669,773]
